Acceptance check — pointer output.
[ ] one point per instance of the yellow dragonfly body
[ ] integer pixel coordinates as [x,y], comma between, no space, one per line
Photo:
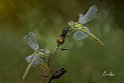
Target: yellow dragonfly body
[81,31]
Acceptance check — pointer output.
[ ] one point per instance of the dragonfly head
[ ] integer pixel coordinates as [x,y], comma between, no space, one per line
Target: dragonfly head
[44,51]
[74,25]
[70,23]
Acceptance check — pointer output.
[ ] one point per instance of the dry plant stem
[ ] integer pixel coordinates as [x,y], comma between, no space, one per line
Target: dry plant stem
[45,68]
[28,68]
[51,56]
[50,81]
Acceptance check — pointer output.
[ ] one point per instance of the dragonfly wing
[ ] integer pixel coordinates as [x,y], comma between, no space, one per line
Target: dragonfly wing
[30,40]
[79,35]
[82,19]
[91,13]
[88,16]
[35,62]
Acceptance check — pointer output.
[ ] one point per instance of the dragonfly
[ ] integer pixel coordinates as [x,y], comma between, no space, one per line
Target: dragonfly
[80,31]
[39,56]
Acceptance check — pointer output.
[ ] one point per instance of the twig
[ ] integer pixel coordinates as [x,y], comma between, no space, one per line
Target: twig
[51,55]
[57,74]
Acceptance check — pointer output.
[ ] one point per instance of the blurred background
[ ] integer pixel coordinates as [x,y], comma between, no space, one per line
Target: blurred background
[85,61]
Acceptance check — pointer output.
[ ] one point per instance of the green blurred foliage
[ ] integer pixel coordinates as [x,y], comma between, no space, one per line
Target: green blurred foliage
[85,60]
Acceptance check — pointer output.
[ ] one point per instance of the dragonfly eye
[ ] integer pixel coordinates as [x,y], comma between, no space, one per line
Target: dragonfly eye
[37,60]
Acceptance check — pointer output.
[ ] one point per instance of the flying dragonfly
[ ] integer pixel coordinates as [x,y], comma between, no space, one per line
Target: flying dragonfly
[79,30]
[39,56]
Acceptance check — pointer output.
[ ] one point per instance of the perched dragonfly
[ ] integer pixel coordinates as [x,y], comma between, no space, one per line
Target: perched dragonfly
[39,55]
[79,30]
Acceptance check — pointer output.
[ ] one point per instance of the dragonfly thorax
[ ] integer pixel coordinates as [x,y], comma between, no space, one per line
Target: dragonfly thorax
[77,25]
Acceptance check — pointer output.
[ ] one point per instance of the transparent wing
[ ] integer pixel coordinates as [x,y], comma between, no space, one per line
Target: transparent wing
[82,19]
[37,60]
[88,16]
[33,60]
[79,35]
[91,13]
[30,40]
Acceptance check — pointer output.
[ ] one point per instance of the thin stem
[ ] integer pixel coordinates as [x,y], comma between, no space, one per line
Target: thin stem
[50,80]
[45,70]
[55,50]
[51,56]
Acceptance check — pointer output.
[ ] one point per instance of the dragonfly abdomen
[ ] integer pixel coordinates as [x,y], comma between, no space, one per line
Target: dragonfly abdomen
[98,40]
